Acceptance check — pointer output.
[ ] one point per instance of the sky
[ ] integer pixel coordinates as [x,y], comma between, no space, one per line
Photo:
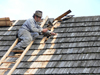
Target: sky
[24,9]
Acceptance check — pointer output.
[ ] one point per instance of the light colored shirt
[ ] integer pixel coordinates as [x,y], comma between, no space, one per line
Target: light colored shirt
[32,26]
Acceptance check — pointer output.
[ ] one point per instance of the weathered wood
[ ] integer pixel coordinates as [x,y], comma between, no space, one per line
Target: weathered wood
[57,25]
[19,54]
[4,65]
[25,51]
[13,25]
[5,68]
[17,50]
[9,50]
[13,56]
[61,16]
[7,62]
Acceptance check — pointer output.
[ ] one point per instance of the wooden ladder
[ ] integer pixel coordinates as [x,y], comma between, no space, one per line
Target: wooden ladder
[20,56]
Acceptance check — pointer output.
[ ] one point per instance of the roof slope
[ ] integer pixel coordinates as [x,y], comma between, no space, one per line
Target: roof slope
[75,50]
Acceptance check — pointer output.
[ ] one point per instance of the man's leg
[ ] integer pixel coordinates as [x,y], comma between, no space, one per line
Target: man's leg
[25,37]
[35,35]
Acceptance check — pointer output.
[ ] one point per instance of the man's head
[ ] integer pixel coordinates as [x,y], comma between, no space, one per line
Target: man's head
[37,15]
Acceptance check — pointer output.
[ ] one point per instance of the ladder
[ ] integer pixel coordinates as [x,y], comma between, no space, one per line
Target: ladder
[19,57]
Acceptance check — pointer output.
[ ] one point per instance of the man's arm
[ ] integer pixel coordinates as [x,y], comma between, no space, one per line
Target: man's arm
[33,27]
[47,32]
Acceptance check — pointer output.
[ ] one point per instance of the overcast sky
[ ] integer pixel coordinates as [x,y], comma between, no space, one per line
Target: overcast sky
[24,9]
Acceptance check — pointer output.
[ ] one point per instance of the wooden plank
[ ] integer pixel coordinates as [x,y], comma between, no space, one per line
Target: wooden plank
[18,54]
[54,39]
[5,68]
[43,40]
[61,16]
[13,25]
[13,56]
[17,50]
[8,62]
[25,51]
[57,25]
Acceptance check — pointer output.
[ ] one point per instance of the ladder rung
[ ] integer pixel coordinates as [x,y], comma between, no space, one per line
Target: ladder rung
[17,54]
[17,50]
[7,62]
[13,56]
[5,68]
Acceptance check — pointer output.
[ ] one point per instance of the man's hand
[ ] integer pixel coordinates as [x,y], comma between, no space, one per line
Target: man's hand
[44,30]
[52,33]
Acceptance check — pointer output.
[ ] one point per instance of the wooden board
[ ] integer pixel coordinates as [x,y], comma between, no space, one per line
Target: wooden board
[61,16]
[17,50]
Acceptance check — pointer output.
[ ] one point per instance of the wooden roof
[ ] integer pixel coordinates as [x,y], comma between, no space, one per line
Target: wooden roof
[74,51]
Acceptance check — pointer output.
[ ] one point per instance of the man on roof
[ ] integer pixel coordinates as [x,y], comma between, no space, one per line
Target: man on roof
[30,30]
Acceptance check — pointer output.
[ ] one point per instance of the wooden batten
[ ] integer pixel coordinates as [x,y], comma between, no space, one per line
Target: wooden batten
[13,56]
[13,25]
[8,62]
[5,68]
[61,16]
[17,50]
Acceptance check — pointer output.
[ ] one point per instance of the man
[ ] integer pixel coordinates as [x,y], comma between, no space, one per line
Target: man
[30,30]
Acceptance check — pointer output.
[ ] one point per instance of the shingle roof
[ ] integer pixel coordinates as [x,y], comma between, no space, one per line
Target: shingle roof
[75,50]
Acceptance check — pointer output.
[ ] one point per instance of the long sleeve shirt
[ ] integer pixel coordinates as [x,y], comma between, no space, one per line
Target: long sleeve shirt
[32,26]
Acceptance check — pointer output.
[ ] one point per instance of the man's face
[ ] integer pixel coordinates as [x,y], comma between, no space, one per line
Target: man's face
[37,18]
